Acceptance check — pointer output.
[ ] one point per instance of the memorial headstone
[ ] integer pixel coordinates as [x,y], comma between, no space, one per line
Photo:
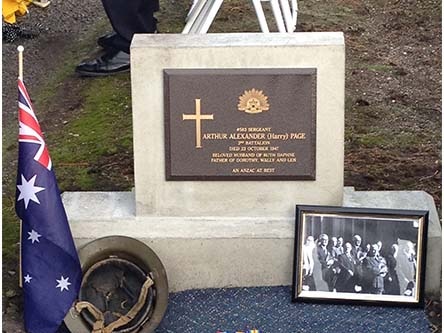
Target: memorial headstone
[231,131]
[194,120]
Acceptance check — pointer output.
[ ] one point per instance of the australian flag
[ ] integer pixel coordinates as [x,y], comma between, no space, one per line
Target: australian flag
[51,269]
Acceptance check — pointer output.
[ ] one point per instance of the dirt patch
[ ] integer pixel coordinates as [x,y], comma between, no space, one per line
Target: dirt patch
[393,91]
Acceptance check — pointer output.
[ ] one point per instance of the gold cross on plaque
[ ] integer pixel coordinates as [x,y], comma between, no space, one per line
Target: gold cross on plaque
[198,117]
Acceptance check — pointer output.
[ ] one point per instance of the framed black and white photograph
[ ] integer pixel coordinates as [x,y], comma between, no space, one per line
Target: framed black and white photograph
[359,255]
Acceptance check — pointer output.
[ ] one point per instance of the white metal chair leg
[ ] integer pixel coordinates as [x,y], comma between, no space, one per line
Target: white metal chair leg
[284,11]
[277,15]
[203,12]
[260,15]
[287,15]
[204,18]
[192,9]
[211,12]
[294,13]
[193,14]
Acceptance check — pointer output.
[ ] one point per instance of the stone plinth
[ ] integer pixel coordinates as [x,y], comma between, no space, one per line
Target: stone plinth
[228,252]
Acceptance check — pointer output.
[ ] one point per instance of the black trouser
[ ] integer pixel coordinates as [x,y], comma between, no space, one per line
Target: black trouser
[128,17]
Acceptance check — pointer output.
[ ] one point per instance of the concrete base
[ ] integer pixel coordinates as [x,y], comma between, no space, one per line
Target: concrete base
[209,252]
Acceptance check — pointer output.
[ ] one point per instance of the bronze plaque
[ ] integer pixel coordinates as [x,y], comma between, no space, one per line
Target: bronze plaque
[240,124]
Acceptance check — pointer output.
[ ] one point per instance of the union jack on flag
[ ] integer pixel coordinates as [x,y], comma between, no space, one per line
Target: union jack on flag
[29,128]
[50,264]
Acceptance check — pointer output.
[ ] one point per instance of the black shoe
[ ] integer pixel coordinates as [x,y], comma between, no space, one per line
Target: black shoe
[112,62]
[105,41]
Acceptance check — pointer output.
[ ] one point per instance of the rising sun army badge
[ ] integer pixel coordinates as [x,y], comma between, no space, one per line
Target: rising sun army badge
[253,101]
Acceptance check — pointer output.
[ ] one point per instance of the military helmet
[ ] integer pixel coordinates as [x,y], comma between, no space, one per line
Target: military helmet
[124,288]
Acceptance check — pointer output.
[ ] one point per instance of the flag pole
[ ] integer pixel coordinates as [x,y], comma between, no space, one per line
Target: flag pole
[20,258]
[20,50]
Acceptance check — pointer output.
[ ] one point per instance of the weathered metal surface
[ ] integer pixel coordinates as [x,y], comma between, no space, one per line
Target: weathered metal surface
[115,268]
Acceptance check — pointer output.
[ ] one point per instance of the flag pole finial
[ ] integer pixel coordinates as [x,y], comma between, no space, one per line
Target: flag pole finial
[20,50]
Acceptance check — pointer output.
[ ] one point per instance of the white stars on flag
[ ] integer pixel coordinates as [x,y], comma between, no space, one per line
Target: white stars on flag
[28,190]
[63,283]
[48,250]
[34,236]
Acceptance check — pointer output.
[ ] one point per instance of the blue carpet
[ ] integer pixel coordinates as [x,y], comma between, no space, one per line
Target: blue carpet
[269,309]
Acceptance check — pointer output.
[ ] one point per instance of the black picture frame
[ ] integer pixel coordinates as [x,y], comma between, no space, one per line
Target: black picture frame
[386,268]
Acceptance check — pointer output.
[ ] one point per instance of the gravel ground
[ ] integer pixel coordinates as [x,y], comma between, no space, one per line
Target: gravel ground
[57,26]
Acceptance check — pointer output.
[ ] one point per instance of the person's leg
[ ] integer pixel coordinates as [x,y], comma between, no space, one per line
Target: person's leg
[127,17]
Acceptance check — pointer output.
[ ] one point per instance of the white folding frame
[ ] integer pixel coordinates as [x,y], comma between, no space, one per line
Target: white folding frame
[203,12]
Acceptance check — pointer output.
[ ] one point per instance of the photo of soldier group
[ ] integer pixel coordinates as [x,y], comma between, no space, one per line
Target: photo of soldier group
[359,255]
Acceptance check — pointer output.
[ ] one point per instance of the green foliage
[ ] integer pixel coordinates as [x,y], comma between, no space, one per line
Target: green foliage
[380,68]
[10,229]
[372,140]
[102,130]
